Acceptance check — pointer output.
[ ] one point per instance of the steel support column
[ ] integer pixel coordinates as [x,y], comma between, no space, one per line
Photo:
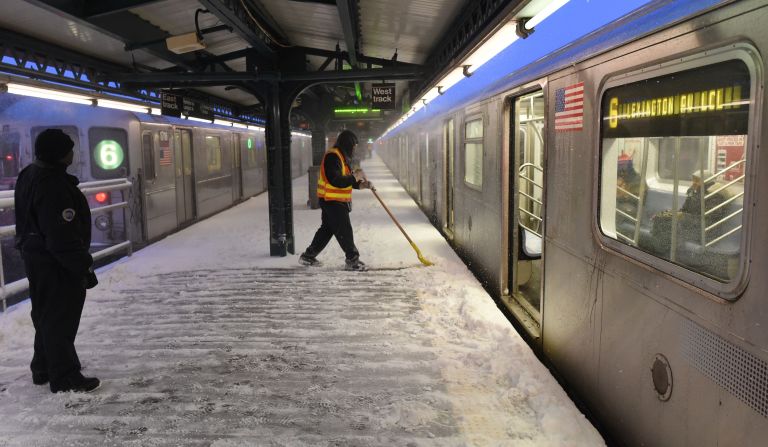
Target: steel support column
[318,146]
[278,134]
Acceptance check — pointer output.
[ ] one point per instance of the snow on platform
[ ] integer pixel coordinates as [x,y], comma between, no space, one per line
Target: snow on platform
[204,339]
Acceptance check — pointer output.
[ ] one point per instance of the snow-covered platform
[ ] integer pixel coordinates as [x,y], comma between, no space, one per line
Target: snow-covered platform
[204,339]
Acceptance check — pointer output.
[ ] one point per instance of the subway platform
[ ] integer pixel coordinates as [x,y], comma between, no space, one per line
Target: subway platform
[203,339]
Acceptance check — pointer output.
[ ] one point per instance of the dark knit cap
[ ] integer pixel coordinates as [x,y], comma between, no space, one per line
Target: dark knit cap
[52,145]
[346,141]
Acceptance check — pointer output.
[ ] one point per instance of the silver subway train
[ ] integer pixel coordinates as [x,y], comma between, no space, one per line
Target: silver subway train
[179,170]
[608,194]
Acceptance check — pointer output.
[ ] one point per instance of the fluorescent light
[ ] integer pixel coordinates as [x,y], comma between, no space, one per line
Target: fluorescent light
[155,111]
[239,125]
[500,40]
[192,118]
[430,95]
[544,13]
[451,79]
[44,93]
[222,122]
[416,107]
[122,106]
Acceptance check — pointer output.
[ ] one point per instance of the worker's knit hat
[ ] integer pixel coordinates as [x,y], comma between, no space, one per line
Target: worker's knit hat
[52,145]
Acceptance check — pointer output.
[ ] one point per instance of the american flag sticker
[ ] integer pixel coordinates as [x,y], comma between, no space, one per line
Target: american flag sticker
[569,108]
[165,156]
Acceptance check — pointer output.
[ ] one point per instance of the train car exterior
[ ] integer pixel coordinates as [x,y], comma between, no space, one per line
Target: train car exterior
[180,170]
[608,195]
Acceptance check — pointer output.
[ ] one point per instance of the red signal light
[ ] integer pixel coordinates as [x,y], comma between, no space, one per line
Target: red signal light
[9,157]
[101,197]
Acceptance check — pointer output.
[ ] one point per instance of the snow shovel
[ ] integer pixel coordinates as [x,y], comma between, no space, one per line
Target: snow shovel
[423,260]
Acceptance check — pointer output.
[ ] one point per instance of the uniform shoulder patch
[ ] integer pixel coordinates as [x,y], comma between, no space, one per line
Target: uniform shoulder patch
[68,214]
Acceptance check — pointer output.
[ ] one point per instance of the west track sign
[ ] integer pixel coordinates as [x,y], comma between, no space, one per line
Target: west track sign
[383,96]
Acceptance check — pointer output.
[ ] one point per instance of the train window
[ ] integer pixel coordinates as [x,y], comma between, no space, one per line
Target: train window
[9,151]
[213,152]
[109,148]
[674,154]
[72,132]
[473,152]
[248,146]
[148,154]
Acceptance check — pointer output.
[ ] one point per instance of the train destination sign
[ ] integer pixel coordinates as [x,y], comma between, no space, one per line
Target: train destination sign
[712,100]
[383,96]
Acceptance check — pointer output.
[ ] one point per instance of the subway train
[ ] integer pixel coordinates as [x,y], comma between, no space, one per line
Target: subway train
[167,172]
[607,194]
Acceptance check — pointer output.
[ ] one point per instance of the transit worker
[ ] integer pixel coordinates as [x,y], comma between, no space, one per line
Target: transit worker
[53,232]
[334,190]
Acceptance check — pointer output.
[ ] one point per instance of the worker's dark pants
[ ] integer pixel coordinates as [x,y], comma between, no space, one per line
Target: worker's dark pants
[57,303]
[334,222]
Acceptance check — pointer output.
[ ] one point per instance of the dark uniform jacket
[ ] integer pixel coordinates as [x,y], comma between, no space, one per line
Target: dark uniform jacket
[333,170]
[53,219]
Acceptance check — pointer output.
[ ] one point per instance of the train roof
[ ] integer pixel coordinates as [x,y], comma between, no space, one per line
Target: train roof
[572,41]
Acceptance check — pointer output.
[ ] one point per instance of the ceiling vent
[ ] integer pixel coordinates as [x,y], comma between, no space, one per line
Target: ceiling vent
[184,43]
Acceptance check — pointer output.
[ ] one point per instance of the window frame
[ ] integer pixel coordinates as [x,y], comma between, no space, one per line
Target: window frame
[481,141]
[746,53]
[148,156]
[217,167]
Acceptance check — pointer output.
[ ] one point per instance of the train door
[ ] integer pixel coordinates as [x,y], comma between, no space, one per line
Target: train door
[526,221]
[448,146]
[185,191]
[237,182]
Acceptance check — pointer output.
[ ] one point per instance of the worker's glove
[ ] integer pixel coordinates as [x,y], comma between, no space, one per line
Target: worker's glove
[366,184]
[90,281]
[359,174]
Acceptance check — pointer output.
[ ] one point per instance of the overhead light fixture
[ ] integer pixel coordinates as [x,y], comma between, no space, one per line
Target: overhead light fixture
[201,120]
[222,122]
[449,80]
[185,43]
[122,106]
[430,95]
[500,40]
[45,93]
[544,13]
[239,125]
[155,111]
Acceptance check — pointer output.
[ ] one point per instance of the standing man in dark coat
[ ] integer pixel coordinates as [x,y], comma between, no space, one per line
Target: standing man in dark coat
[334,190]
[53,232]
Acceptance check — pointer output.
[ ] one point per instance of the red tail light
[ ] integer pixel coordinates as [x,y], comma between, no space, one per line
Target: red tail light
[101,197]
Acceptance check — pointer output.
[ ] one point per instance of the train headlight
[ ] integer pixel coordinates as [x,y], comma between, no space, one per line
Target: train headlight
[103,222]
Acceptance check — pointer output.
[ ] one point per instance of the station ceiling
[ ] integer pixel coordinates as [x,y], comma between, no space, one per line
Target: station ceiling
[410,40]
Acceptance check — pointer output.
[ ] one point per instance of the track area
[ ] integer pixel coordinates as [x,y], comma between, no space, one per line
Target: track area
[203,339]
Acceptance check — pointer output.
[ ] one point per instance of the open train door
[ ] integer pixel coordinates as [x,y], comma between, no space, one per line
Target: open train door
[185,182]
[524,291]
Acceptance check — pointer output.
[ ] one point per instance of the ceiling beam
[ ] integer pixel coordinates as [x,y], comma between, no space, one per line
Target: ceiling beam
[121,25]
[348,16]
[105,7]
[248,23]
[211,79]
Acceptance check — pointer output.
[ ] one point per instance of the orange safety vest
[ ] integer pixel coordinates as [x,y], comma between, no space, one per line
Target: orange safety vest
[325,190]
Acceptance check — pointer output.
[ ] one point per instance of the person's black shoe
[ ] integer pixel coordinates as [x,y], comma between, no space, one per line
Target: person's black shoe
[355,265]
[75,383]
[305,259]
[39,378]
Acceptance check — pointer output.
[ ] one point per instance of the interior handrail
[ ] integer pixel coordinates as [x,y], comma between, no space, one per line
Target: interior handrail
[724,170]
